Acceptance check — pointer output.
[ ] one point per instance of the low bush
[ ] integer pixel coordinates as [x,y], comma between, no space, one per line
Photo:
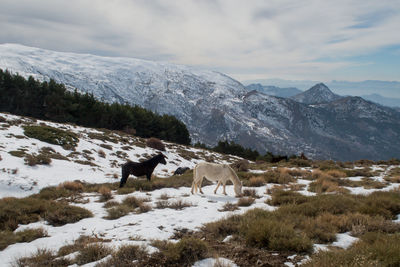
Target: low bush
[117,212]
[250,193]
[240,166]
[17,153]
[375,249]
[280,197]
[155,143]
[37,159]
[63,214]
[92,252]
[177,204]
[52,135]
[72,186]
[245,201]
[256,181]
[228,206]
[262,229]
[105,193]
[125,256]
[101,153]
[300,162]
[43,257]
[187,251]
[278,176]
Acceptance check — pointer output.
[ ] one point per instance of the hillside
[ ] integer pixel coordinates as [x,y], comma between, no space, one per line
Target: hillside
[95,222]
[216,107]
[95,159]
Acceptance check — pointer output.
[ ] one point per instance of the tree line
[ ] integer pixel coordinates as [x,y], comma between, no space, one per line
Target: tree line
[52,101]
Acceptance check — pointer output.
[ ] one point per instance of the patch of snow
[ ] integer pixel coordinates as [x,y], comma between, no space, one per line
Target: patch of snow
[344,240]
[227,239]
[289,264]
[210,262]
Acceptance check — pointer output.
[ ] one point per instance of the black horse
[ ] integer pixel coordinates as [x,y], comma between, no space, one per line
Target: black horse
[143,168]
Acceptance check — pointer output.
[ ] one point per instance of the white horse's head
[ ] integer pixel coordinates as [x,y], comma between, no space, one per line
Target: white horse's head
[238,189]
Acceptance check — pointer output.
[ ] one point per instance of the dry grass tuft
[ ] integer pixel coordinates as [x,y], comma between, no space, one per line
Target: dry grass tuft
[241,165]
[228,206]
[72,186]
[256,181]
[101,153]
[105,193]
[245,201]
[155,143]
[250,193]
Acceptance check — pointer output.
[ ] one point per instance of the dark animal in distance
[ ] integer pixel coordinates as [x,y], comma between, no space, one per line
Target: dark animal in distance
[276,159]
[141,168]
[181,170]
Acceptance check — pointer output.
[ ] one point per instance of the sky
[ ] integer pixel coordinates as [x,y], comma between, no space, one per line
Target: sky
[350,40]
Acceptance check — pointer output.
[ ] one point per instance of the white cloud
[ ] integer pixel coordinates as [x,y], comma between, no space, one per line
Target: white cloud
[293,39]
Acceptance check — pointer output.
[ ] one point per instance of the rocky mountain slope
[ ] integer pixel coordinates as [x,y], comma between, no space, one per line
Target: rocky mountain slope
[317,94]
[215,106]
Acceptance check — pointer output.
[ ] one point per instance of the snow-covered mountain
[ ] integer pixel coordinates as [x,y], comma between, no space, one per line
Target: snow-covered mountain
[215,106]
[317,94]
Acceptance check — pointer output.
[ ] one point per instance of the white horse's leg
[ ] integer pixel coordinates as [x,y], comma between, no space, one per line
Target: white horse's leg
[219,183]
[199,185]
[193,187]
[224,184]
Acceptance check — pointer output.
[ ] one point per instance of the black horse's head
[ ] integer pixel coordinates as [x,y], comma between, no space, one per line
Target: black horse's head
[162,158]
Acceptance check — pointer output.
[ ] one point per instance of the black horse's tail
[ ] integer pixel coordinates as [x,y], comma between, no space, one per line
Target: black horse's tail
[125,174]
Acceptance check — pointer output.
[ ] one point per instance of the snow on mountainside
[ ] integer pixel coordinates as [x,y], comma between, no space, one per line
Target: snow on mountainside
[96,159]
[317,94]
[216,107]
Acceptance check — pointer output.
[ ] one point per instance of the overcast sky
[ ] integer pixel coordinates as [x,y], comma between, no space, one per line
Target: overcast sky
[306,40]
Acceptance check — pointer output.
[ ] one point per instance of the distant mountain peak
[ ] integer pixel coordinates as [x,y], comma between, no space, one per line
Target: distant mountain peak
[319,93]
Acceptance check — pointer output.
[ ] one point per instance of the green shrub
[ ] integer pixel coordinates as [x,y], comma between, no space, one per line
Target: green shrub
[52,135]
[63,214]
[8,237]
[375,249]
[43,257]
[92,252]
[280,197]
[266,231]
[17,153]
[117,212]
[224,227]
[186,251]
[125,256]
[37,159]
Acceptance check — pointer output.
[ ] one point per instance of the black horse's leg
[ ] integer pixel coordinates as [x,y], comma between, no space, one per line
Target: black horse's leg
[148,175]
[125,175]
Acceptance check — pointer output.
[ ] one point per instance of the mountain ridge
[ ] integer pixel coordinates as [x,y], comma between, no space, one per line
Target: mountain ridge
[214,106]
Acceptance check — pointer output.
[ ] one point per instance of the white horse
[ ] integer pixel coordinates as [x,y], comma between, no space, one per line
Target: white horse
[215,172]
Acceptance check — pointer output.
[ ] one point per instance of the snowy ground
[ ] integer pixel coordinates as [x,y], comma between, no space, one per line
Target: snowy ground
[18,180]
